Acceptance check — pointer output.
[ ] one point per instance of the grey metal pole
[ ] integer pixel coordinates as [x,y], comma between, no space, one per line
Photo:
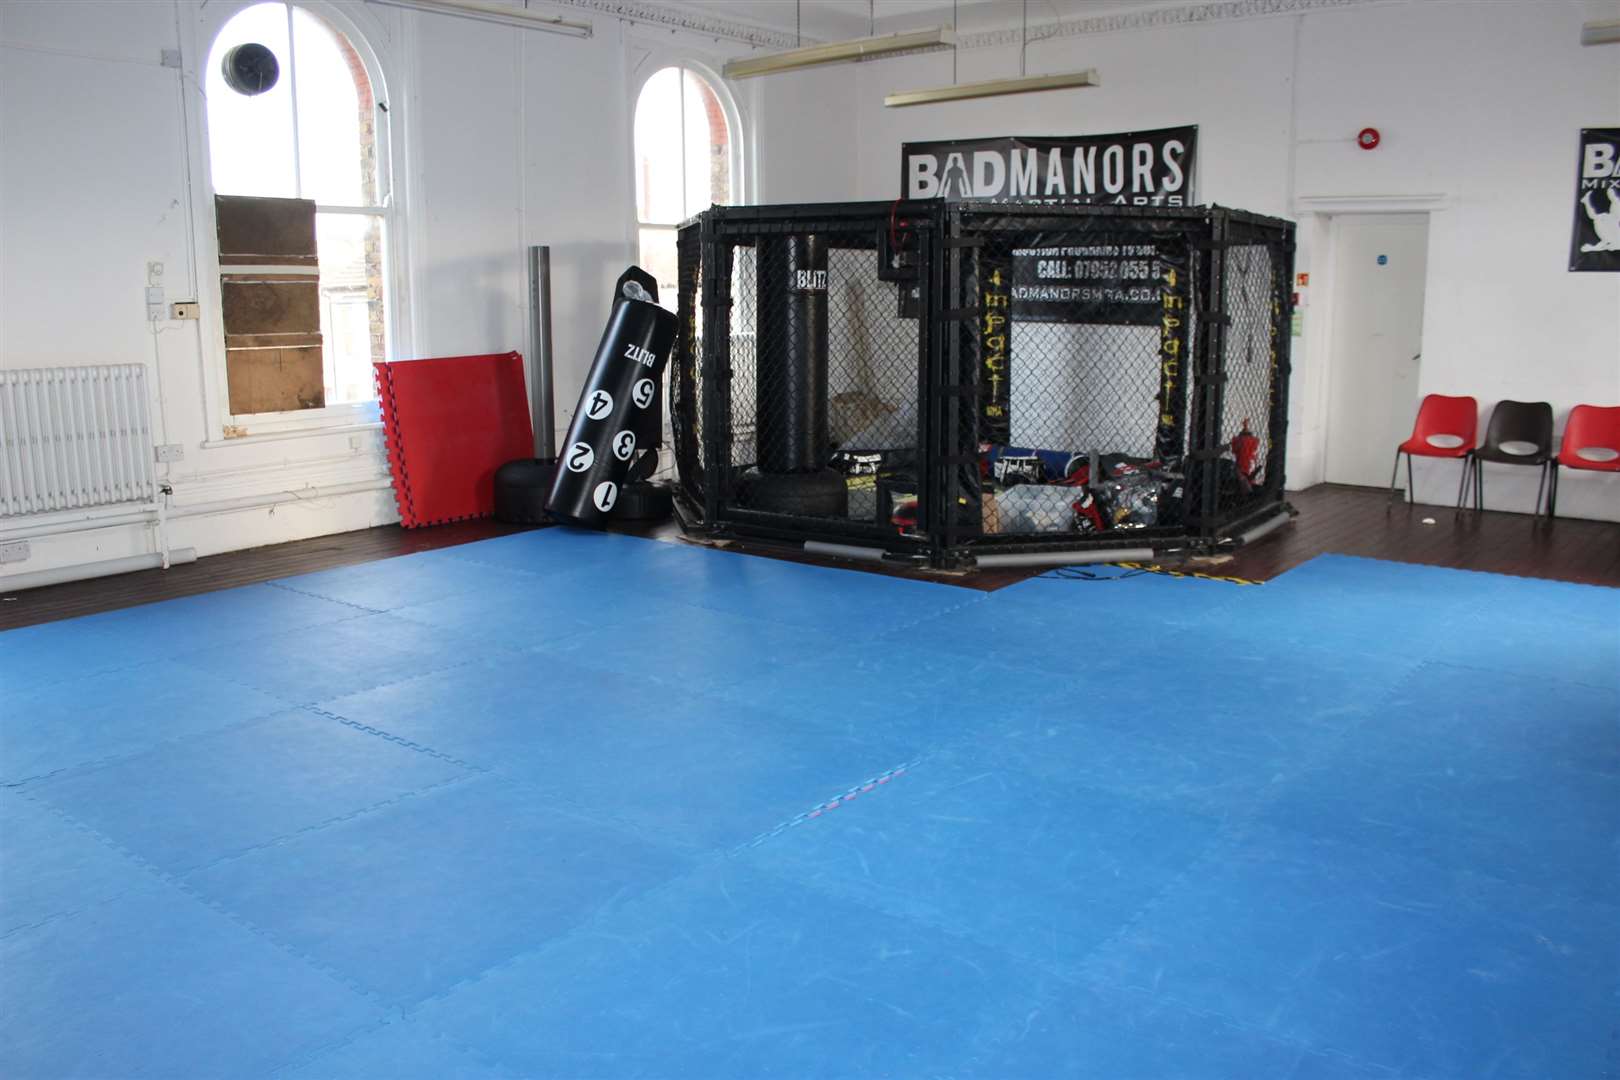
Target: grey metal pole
[541,404]
[1066,558]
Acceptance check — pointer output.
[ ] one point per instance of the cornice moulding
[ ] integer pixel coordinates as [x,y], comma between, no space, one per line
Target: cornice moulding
[697,22]
[1155,19]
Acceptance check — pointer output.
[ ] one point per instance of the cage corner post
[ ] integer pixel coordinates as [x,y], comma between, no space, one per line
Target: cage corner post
[1210,399]
[1282,371]
[716,362]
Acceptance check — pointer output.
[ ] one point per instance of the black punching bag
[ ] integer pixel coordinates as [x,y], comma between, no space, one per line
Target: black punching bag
[792,325]
[620,391]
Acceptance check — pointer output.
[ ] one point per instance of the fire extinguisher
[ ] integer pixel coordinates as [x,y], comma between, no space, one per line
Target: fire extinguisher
[1246,449]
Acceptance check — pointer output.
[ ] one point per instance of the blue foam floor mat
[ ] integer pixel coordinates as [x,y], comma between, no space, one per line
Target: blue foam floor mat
[565,804]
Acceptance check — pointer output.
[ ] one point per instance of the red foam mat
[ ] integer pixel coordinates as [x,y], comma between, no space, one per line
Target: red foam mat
[449,423]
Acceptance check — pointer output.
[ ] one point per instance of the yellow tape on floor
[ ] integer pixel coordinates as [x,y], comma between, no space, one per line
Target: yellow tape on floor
[1154,568]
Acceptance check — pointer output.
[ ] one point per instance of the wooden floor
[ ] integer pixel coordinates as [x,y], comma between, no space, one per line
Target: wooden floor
[1361,521]
[52,602]
[1332,519]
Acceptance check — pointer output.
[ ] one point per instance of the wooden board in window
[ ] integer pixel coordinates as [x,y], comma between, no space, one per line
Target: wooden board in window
[274,360]
[270,307]
[275,379]
[255,231]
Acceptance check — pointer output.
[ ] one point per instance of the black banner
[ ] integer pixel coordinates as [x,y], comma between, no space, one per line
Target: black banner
[1078,278]
[1175,348]
[1595,243]
[1132,168]
[995,343]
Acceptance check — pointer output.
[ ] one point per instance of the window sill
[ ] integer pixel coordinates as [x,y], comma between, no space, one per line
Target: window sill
[311,423]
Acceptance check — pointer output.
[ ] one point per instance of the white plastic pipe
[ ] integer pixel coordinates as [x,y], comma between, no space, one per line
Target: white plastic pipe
[34,579]
[279,498]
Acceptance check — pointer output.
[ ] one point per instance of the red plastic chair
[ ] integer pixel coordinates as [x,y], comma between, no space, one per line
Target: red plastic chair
[1446,427]
[1591,441]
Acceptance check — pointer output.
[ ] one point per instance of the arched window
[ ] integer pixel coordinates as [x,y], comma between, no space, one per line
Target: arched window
[317,133]
[685,163]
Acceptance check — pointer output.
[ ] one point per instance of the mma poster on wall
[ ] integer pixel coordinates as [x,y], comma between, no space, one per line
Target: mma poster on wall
[1595,244]
[1064,278]
[1131,168]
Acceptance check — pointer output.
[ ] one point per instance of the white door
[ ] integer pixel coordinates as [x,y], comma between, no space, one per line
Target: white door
[1378,270]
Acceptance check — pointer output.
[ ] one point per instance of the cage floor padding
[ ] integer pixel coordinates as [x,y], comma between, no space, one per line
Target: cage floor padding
[449,423]
[565,804]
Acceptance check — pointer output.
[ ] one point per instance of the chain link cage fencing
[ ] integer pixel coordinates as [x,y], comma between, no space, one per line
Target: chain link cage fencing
[958,383]
[1255,268]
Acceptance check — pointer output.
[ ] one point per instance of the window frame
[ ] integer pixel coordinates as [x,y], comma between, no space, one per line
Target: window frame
[646,57]
[364,34]
[647,62]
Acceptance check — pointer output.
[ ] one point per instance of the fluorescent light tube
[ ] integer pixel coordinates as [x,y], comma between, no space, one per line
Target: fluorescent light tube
[484,11]
[1601,33]
[994,88]
[838,52]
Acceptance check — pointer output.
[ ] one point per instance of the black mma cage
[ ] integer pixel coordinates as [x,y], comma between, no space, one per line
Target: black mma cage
[983,383]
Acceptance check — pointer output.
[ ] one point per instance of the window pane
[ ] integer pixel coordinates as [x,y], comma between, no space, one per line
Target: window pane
[658,259]
[708,149]
[351,256]
[250,137]
[658,149]
[336,117]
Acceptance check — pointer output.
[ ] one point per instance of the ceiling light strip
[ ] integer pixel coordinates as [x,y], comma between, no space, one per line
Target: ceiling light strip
[839,52]
[1601,33]
[994,88]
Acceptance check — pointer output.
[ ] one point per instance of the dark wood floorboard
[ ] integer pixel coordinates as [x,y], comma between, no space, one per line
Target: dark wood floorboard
[1361,521]
[69,599]
[1332,519]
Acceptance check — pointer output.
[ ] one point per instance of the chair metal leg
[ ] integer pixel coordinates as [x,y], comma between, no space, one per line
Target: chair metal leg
[1393,473]
[1462,481]
[1552,493]
[1411,488]
[1540,484]
[1479,483]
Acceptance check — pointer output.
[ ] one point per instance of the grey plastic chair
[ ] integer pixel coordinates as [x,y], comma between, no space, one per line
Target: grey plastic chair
[1520,433]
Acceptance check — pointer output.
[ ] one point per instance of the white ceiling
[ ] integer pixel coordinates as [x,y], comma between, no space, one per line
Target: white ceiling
[829,19]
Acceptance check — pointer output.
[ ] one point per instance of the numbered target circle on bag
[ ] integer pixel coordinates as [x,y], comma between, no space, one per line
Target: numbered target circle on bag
[642,393]
[624,444]
[580,457]
[600,404]
[605,495]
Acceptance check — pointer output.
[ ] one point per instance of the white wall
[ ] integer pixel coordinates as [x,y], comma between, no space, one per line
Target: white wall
[510,137]
[503,138]
[1479,104]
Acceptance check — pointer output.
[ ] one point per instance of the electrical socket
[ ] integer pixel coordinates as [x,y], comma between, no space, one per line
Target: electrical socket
[154,272]
[171,452]
[16,551]
[183,309]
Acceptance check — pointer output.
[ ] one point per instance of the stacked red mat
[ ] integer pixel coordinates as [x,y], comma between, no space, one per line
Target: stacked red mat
[449,424]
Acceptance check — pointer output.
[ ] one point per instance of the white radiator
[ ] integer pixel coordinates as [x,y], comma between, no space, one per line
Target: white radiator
[74,437]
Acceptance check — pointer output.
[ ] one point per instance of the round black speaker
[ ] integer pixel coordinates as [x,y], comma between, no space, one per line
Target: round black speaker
[251,68]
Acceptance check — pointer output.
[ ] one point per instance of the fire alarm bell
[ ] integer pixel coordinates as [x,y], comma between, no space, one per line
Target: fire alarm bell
[1367,138]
